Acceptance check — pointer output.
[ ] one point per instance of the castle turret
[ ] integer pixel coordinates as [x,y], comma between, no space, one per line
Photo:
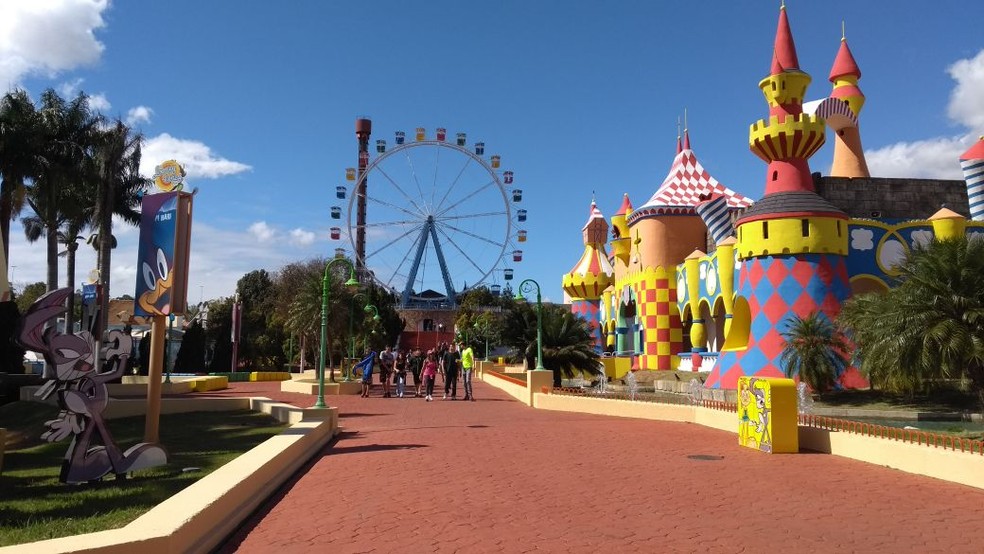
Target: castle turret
[592,274]
[848,154]
[792,243]
[621,243]
[972,164]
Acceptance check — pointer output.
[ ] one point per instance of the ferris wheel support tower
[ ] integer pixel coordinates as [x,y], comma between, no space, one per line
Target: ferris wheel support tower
[363,128]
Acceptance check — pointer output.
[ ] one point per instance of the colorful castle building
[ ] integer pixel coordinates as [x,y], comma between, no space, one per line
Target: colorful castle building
[668,305]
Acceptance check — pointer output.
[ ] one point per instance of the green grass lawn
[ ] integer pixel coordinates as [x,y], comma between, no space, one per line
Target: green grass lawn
[34,505]
[943,400]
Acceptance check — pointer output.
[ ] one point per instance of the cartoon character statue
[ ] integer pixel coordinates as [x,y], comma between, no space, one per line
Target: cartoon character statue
[82,394]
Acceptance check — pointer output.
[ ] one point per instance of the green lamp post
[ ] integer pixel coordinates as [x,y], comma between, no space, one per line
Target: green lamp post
[368,308]
[527,286]
[325,289]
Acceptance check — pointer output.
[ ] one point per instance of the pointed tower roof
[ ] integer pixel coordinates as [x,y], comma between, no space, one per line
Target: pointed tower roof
[844,63]
[975,152]
[626,206]
[784,52]
[593,273]
[594,215]
[688,184]
[686,139]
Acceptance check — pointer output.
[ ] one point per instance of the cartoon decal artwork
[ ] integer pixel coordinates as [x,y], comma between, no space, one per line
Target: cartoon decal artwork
[754,407]
[82,395]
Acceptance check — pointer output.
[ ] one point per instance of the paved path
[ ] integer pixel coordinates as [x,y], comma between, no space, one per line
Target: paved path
[496,476]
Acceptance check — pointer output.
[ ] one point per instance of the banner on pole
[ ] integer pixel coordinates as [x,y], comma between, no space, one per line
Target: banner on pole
[162,258]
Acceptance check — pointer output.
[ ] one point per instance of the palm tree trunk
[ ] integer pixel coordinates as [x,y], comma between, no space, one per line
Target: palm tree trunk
[6,209]
[105,219]
[51,242]
[70,283]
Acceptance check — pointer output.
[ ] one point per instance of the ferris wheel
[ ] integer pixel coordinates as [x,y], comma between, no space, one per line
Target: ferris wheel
[430,218]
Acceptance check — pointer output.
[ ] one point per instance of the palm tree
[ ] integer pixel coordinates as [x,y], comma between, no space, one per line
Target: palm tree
[56,191]
[568,347]
[930,326]
[20,147]
[814,351]
[119,184]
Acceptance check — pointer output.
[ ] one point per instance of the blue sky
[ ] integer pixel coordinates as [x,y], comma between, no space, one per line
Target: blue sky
[258,101]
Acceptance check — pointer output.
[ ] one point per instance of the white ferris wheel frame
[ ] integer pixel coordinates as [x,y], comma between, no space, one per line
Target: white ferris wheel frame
[409,145]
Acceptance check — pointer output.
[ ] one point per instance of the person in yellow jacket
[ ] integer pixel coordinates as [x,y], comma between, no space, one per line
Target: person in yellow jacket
[467,365]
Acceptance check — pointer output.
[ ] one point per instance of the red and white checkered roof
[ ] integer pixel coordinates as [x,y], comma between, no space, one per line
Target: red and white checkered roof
[688,181]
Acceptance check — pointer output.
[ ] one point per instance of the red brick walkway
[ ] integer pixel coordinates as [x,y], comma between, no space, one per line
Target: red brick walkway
[496,476]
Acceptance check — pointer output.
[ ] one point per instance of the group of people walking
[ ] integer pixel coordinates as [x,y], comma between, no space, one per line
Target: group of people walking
[448,360]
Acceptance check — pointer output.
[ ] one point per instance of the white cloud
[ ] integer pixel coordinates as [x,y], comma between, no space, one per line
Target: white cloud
[140,114]
[47,37]
[262,231]
[196,157]
[219,258]
[967,100]
[301,237]
[937,157]
[934,158]
[99,103]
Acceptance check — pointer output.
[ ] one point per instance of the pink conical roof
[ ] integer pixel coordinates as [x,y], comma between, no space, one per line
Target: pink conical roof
[975,152]
[594,215]
[784,51]
[844,63]
[626,206]
[686,139]
[689,184]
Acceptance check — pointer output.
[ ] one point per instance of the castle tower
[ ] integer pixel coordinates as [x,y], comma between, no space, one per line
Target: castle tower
[592,274]
[664,231]
[972,163]
[621,243]
[848,154]
[792,244]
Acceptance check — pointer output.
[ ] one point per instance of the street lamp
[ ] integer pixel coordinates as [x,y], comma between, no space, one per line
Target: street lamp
[368,308]
[325,288]
[527,286]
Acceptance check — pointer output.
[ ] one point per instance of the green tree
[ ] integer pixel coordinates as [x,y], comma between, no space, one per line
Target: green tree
[568,347]
[56,196]
[815,351]
[930,326]
[259,341]
[191,355]
[21,141]
[30,293]
[218,334]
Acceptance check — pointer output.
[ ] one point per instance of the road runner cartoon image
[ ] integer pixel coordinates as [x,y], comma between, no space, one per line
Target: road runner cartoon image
[82,394]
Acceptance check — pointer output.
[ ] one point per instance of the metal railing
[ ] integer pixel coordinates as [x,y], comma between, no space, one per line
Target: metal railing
[912,436]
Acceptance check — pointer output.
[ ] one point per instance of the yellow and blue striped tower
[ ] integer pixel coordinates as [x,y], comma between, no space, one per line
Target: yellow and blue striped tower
[792,244]
[592,274]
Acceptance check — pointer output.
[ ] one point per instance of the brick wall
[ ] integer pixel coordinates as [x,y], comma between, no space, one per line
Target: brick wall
[890,198]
